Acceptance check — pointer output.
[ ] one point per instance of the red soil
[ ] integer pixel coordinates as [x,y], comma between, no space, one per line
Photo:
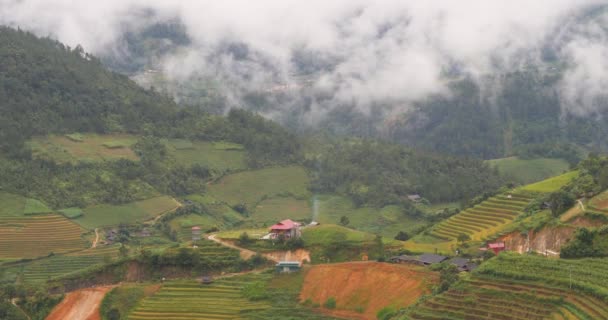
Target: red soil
[80,305]
[369,286]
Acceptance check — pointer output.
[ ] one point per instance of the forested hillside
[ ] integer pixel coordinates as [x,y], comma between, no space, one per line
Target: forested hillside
[54,89]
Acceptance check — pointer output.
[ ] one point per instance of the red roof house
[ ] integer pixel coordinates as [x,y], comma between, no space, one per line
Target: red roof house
[285,228]
[497,247]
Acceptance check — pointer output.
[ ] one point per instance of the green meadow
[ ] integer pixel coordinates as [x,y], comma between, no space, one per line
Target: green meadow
[525,171]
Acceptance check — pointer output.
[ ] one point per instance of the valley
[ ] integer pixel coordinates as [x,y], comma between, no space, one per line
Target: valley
[118,202]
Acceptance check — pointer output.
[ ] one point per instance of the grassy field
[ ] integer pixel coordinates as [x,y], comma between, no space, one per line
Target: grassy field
[529,171]
[326,233]
[29,237]
[111,215]
[217,156]
[270,211]
[387,221]
[251,187]
[13,205]
[551,184]
[84,147]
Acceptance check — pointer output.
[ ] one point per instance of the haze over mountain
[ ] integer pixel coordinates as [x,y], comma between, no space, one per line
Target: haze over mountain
[369,68]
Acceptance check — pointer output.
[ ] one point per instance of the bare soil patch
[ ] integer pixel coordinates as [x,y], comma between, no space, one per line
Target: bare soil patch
[80,305]
[361,289]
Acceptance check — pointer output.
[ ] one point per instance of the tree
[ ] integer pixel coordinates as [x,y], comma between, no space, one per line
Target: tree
[378,249]
[123,251]
[402,236]
[344,220]
[447,276]
[463,237]
[244,239]
[560,201]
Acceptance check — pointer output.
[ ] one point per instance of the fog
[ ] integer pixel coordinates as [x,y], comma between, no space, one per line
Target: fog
[367,53]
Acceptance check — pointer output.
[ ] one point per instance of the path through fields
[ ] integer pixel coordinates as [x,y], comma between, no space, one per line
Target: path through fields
[245,253]
[14,302]
[80,305]
[96,239]
[581,204]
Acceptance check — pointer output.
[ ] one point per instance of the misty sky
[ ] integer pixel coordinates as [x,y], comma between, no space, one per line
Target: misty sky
[379,51]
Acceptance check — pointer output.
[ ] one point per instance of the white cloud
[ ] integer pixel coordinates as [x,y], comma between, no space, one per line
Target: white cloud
[381,50]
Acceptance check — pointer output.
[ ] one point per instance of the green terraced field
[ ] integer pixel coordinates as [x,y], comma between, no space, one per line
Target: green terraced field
[492,298]
[191,300]
[513,286]
[527,171]
[35,236]
[60,265]
[112,215]
[483,219]
[251,187]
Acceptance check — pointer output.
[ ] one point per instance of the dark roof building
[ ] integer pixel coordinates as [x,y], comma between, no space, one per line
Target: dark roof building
[463,264]
[430,258]
[405,259]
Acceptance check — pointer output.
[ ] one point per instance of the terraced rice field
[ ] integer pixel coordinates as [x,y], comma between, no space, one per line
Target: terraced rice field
[492,298]
[484,219]
[56,266]
[29,237]
[191,300]
[216,255]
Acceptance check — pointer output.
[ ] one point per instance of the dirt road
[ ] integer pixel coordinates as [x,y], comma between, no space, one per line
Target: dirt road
[245,253]
[80,305]
[276,256]
[96,239]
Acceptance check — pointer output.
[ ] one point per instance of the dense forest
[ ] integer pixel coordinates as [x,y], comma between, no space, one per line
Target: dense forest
[380,174]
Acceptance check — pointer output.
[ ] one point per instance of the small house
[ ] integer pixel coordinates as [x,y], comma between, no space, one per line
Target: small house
[497,247]
[414,198]
[463,264]
[286,228]
[196,233]
[288,267]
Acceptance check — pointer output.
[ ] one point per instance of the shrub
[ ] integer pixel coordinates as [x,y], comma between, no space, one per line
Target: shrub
[244,239]
[330,303]
[308,302]
[360,309]
[385,313]
[255,291]
[403,236]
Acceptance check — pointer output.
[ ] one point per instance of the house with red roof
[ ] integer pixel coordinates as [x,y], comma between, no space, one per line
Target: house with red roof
[286,228]
[497,247]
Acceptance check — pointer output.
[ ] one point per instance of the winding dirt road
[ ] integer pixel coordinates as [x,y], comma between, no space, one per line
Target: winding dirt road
[245,253]
[80,305]
[276,256]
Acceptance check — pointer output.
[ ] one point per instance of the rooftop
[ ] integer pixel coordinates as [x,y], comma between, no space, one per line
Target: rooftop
[430,258]
[284,225]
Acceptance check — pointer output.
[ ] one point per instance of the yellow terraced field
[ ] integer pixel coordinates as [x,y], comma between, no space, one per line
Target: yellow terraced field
[29,237]
[484,219]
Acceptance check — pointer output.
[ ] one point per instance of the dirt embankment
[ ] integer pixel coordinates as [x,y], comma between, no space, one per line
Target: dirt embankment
[548,240]
[299,255]
[80,305]
[361,289]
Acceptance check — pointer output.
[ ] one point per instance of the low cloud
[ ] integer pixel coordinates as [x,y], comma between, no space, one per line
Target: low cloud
[365,53]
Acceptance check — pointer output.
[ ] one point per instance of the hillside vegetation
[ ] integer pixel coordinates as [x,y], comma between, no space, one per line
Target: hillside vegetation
[526,171]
